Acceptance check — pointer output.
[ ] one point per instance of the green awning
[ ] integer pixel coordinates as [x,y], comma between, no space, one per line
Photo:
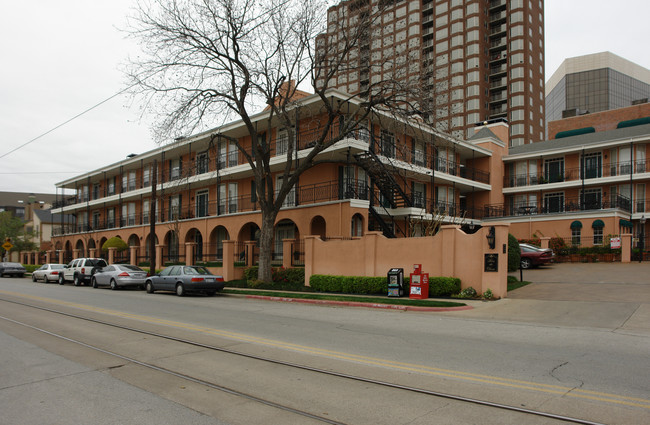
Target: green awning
[576,132]
[625,223]
[598,224]
[632,123]
[576,225]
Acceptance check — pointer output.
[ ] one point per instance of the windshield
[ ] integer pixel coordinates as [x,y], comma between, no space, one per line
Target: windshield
[130,267]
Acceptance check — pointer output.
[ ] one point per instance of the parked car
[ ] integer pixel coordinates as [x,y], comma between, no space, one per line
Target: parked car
[47,272]
[185,279]
[80,271]
[12,269]
[532,256]
[117,275]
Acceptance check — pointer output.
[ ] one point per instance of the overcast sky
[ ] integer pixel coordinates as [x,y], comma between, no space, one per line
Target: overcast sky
[61,57]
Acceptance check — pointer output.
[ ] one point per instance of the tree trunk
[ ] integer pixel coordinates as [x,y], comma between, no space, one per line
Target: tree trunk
[266,245]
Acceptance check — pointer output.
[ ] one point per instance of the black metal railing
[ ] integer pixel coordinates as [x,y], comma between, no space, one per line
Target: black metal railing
[556,205]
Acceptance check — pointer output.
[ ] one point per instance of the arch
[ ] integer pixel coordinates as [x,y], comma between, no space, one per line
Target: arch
[357,225]
[194,235]
[58,246]
[102,241]
[171,252]
[67,252]
[81,247]
[217,236]
[249,232]
[91,243]
[318,226]
[146,246]
[284,229]
[134,240]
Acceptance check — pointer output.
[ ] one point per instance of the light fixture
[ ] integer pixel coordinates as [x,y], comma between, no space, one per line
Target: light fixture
[491,238]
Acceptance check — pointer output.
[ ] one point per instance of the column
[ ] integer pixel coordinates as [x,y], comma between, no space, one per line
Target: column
[287,244]
[111,254]
[228,261]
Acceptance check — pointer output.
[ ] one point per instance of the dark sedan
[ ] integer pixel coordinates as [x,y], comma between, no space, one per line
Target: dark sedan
[532,256]
[12,269]
[185,279]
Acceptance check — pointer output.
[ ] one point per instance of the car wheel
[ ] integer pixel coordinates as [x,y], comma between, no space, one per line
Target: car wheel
[210,293]
[526,263]
[149,288]
[61,279]
[113,284]
[93,281]
[33,277]
[180,290]
[76,280]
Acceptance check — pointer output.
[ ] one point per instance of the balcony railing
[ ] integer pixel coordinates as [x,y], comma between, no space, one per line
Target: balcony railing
[573,174]
[556,205]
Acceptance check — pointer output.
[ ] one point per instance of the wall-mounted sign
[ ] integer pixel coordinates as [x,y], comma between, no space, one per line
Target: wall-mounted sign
[491,263]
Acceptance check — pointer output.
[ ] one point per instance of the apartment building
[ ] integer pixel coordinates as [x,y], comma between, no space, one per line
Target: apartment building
[389,175]
[590,181]
[474,60]
[594,83]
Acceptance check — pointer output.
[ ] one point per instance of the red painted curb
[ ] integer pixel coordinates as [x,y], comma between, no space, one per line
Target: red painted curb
[359,304]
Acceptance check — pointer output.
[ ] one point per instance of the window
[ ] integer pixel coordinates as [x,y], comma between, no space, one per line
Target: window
[202,163]
[146,177]
[145,211]
[598,235]
[591,165]
[419,195]
[174,169]
[202,203]
[110,218]
[174,207]
[575,236]
[554,202]
[554,170]
[387,144]
[111,186]
[591,199]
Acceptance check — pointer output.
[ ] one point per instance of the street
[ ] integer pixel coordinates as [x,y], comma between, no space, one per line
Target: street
[555,364]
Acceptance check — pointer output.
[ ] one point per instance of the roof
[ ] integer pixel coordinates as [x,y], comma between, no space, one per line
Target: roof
[46,216]
[583,140]
[12,198]
[483,133]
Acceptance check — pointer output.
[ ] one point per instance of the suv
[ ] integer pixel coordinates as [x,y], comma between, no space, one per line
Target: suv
[80,271]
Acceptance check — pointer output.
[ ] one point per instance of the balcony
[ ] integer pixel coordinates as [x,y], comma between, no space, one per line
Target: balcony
[575,174]
[558,205]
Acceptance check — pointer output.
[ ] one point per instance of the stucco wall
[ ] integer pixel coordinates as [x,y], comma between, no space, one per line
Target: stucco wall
[451,252]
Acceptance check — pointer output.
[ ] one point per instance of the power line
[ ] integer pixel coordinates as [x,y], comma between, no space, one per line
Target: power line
[66,122]
[43,172]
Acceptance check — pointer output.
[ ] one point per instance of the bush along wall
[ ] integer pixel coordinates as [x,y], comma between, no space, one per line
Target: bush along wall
[364,285]
[292,279]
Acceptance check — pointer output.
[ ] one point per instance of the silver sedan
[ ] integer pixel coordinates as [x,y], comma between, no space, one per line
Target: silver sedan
[47,272]
[117,275]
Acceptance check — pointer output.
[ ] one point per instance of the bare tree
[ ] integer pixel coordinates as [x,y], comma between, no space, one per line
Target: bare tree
[210,60]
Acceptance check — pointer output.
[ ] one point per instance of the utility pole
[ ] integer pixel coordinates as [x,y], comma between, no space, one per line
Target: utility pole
[152,218]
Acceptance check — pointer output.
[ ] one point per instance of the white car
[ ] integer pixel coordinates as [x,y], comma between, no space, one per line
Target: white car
[47,273]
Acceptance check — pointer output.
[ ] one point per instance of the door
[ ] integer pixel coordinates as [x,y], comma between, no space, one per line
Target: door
[202,203]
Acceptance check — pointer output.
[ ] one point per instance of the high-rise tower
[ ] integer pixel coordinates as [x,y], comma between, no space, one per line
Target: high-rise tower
[475,60]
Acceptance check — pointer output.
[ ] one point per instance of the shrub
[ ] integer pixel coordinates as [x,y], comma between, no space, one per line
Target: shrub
[534,241]
[488,294]
[349,284]
[558,246]
[115,242]
[292,279]
[443,286]
[468,292]
[514,253]
[29,268]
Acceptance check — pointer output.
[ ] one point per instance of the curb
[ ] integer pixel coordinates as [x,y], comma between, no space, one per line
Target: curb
[358,304]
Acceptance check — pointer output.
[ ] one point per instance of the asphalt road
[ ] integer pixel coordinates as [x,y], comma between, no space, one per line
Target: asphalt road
[554,360]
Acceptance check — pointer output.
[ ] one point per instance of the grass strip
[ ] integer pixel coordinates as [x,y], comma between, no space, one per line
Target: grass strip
[331,297]
[514,283]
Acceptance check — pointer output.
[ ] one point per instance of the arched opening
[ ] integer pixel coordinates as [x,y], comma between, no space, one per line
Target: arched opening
[147,251]
[171,253]
[248,232]
[134,240]
[356,226]
[318,227]
[194,235]
[67,252]
[91,245]
[218,235]
[285,229]
[80,246]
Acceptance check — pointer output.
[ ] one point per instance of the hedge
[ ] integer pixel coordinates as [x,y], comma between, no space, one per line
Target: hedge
[292,279]
[514,253]
[438,286]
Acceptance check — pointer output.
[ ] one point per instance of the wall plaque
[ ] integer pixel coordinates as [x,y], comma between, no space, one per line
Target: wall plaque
[491,262]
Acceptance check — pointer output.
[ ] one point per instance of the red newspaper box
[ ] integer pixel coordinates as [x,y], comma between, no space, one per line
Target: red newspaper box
[419,283]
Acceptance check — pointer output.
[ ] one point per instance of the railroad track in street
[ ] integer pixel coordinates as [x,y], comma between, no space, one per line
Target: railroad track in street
[271,402]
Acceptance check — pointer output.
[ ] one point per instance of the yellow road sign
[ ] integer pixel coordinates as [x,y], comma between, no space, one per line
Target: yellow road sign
[7,246]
